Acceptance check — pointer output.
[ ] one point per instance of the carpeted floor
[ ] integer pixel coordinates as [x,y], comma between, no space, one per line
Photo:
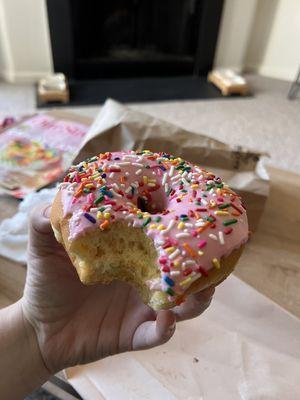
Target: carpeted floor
[266,122]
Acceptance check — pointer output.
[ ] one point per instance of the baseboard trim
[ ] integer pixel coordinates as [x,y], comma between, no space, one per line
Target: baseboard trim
[6,76]
[23,76]
[277,73]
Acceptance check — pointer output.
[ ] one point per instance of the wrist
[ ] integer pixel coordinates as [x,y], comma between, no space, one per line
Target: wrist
[22,362]
[39,368]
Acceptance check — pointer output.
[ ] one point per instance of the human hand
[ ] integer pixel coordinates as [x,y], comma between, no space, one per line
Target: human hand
[76,324]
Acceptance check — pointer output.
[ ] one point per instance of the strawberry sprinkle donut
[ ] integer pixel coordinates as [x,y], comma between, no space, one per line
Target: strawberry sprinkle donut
[166,226]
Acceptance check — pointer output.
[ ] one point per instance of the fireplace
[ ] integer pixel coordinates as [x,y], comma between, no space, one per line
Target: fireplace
[112,39]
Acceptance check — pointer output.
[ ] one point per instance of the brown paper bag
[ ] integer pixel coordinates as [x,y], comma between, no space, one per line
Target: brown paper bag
[120,128]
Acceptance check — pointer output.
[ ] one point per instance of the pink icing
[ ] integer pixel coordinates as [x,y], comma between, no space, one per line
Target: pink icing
[185,249]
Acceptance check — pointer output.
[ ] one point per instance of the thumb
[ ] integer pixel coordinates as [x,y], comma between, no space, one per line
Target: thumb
[154,333]
[41,237]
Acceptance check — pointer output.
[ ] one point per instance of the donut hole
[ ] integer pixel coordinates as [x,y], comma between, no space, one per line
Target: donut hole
[156,205]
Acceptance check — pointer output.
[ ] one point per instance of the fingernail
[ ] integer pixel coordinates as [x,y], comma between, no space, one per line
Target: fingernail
[47,211]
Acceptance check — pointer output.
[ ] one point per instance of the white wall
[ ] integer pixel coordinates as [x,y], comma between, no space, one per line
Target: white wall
[234,34]
[274,49]
[5,54]
[25,44]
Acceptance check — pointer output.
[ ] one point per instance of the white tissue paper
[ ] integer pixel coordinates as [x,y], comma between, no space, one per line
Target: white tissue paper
[14,231]
[243,347]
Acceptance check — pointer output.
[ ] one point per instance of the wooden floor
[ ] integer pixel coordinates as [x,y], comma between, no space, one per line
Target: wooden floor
[270,263]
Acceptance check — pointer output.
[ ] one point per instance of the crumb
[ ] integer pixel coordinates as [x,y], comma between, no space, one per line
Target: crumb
[195,359]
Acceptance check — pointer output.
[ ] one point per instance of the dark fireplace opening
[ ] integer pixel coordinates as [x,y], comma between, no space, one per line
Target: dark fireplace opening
[95,39]
[131,38]
[134,50]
